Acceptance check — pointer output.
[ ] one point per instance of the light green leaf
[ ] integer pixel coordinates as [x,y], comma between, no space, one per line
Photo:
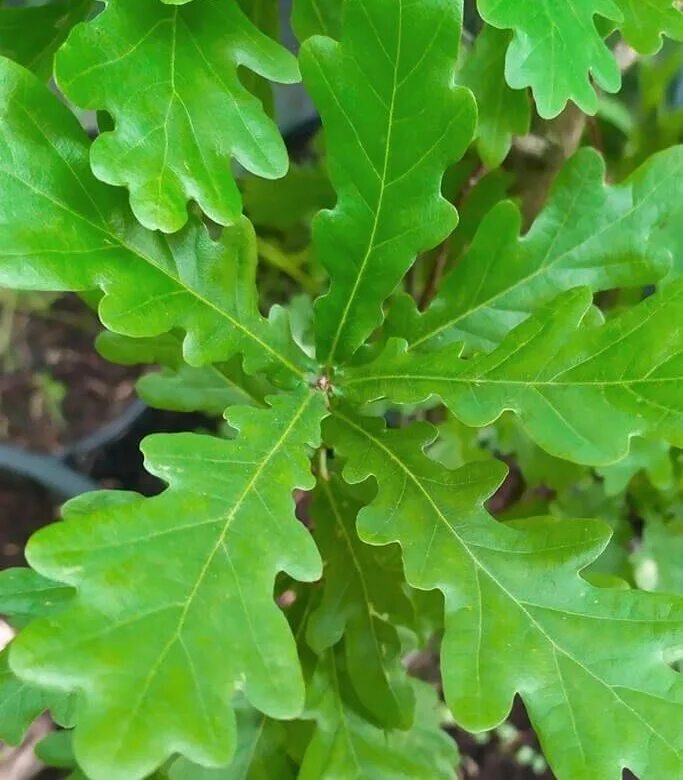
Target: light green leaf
[179,387]
[555,48]
[651,456]
[61,229]
[345,745]
[317,17]
[176,592]
[645,21]
[550,371]
[589,234]
[363,602]
[387,149]
[260,753]
[519,619]
[174,138]
[32,35]
[503,112]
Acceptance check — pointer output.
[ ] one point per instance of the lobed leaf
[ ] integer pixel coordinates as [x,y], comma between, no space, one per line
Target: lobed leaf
[387,150]
[555,50]
[174,599]
[362,602]
[551,370]
[61,229]
[174,139]
[589,234]
[558,51]
[519,618]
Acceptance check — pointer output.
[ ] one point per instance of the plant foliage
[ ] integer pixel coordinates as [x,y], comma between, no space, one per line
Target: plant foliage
[376,367]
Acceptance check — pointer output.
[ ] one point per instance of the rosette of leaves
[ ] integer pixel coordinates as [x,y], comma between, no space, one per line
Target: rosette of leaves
[228,627]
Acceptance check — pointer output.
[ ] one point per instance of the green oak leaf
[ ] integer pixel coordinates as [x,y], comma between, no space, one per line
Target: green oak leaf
[363,602]
[503,112]
[174,138]
[83,237]
[344,745]
[177,386]
[176,592]
[25,595]
[555,48]
[589,234]
[387,150]
[645,21]
[519,618]
[317,17]
[32,35]
[648,455]
[550,370]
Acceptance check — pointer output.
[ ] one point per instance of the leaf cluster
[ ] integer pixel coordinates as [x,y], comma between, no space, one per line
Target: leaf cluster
[261,616]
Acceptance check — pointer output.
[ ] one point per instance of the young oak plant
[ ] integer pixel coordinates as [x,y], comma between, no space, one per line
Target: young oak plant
[148,626]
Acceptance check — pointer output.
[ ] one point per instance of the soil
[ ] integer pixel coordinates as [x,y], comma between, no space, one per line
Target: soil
[51,353]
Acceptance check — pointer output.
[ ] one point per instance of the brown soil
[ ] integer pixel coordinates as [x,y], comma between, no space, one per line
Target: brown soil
[51,351]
